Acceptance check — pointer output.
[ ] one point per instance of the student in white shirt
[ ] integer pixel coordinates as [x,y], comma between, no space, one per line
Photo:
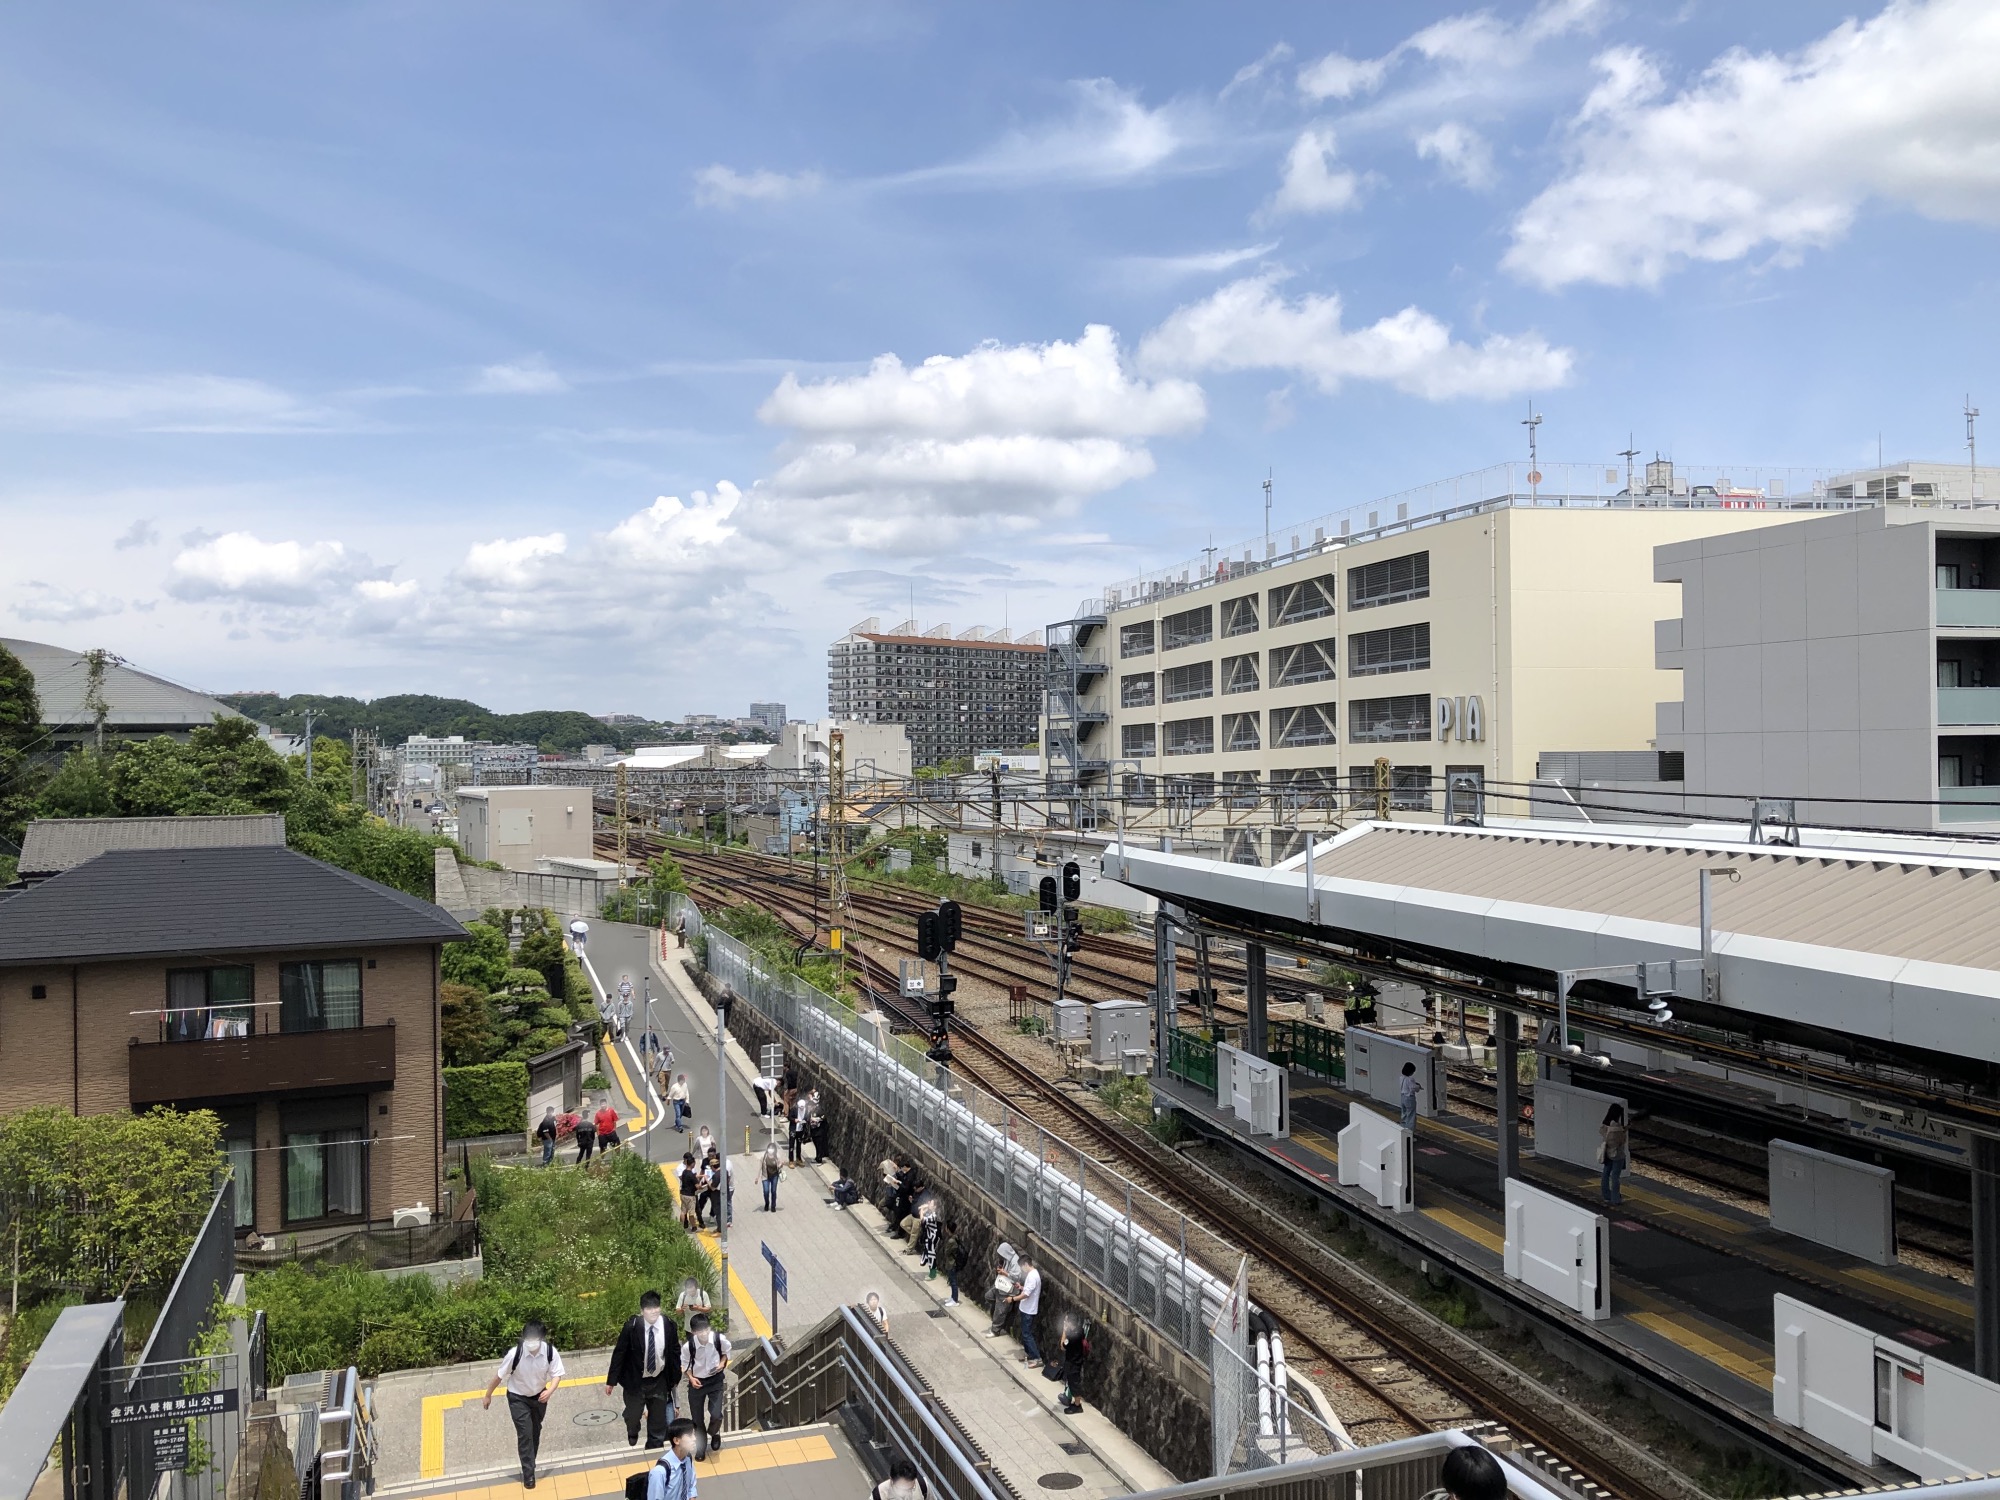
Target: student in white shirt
[531,1371]
[705,1357]
[1030,1300]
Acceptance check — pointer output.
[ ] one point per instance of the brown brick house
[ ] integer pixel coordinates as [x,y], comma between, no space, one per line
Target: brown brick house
[296,1000]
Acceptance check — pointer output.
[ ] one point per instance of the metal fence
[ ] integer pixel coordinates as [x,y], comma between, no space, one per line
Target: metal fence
[1255,1422]
[1141,1251]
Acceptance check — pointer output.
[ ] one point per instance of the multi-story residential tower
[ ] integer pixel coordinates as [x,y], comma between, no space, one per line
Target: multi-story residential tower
[954,695]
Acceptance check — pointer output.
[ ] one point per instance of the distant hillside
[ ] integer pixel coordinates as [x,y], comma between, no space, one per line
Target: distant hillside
[398,717]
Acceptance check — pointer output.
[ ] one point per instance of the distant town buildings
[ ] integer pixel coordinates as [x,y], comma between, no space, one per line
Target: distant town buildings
[461,760]
[954,695]
[769,716]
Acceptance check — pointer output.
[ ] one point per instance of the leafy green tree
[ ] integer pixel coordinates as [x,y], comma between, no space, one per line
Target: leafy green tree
[222,768]
[480,963]
[466,1025]
[80,788]
[20,733]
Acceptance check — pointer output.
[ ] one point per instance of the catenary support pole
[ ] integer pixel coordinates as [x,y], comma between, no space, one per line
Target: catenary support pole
[1507,1065]
[722,1129]
[1258,1039]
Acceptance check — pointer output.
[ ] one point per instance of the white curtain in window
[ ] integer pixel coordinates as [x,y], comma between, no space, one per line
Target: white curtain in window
[342,997]
[242,1158]
[305,1176]
[343,1171]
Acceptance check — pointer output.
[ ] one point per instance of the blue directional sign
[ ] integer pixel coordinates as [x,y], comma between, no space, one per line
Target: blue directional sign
[780,1283]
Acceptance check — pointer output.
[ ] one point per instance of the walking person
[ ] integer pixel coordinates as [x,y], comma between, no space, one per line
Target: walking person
[691,1303]
[903,1483]
[586,1135]
[646,1364]
[690,1185]
[531,1371]
[677,1096]
[1614,1149]
[773,1165]
[1029,1298]
[877,1313]
[704,1142]
[681,929]
[1075,1348]
[725,1171]
[705,1192]
[607,1127]
[1410,1089]
[705,1357]
[546,1133]
[955,1258]
[672,1475]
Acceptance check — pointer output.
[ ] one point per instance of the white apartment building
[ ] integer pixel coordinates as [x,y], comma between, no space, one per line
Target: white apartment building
[1461,630]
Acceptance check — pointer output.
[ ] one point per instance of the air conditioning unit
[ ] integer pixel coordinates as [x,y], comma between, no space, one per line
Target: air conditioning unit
[412,1218]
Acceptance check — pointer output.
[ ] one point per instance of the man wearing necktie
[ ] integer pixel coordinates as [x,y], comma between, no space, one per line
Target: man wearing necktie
[646,1362]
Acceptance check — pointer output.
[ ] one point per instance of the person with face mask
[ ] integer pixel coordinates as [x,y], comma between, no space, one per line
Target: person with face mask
[646,1363]
[531,1371]
[705,1357]
[672,1476]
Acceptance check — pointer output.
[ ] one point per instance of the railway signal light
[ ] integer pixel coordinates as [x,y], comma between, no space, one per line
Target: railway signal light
[930,938]
[1072,886]
[951,925]
[1048,893]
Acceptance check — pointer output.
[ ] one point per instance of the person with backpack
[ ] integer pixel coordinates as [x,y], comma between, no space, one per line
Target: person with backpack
[546,1133]
[705,1357]
[531,1371]
[586,1135]
[773,1166]
[672,1475]
[646,1363]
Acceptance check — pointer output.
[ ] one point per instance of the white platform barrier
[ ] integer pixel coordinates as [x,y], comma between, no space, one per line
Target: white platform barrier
[1376,1156]
[1873,1398]
[1558,1248]
[1375,1069]
[1567,1118]
[1254,1089]
[1831,1200]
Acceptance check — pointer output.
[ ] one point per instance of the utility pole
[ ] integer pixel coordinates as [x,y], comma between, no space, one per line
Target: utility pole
[722,1002]
[1531,422]
[1628,455]
[836,797]
[310,715]
[996,822]
[95,660]
[1972,443]
[623,829]
[1268,475]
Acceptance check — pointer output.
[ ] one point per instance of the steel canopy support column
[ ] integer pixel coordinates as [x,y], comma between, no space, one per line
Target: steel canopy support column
[1166,1005]
[1986,1257]
[1506,1041]
[1257,1041]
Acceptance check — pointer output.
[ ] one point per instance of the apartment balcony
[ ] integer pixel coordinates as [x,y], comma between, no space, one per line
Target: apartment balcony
[1969,804]
[277,1062]
[1968,607]
[1960,706]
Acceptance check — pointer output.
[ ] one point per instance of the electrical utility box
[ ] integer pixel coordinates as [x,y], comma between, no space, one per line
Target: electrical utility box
[1072,1021]
[1118,1027]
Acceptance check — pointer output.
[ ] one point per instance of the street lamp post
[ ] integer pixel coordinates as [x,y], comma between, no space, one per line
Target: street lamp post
[722,1129]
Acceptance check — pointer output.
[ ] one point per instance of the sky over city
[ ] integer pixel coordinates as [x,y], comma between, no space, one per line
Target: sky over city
[621,357]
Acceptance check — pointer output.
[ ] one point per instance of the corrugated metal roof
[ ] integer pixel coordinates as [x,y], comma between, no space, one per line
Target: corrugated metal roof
[130,903]
[53,845]
[1940,911]
[137,700]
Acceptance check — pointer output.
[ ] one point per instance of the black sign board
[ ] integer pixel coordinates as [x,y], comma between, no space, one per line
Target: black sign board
[170,1446]
[158,1408]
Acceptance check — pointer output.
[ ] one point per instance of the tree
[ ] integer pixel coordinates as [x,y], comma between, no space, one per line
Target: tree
[467,1024]
[20,733]
[480,962]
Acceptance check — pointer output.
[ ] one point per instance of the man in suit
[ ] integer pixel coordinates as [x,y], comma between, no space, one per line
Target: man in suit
[646,1362]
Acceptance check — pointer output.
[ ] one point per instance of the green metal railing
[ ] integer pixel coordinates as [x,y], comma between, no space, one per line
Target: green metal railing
[1191,1058]
[1317,1049]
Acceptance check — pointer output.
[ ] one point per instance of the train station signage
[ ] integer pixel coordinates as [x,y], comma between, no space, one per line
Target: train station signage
[161,1408]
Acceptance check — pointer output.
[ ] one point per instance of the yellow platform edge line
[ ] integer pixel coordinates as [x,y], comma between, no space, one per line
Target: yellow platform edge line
[587,1483]
[1757,1372]
[430,1454]
[1465,1225]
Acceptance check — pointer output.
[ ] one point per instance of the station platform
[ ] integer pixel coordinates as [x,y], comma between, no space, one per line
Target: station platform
[1692,1279]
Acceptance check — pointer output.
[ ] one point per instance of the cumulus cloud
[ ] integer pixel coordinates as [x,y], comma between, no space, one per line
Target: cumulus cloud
[1771,152]
[59,606]
[510,561]
[923,456]
[1460,151]
[238,565]
[141,533]
[1312,184]
[521,377]
[724,187]
[1247,325]
[156,403]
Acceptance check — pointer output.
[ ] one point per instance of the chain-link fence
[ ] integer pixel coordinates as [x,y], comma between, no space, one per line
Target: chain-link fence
[1256,1422]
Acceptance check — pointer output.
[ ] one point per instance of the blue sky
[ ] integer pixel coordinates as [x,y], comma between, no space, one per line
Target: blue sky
[576,355]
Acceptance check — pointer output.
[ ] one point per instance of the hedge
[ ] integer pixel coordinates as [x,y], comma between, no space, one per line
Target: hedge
[485,1099]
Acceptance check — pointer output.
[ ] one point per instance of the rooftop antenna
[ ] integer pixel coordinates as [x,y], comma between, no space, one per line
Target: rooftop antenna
[1208,556]
[1268,475]
[1972,443]
[1531,422]
[1628,454]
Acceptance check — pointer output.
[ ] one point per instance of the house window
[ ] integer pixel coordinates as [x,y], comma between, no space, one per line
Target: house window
[1307,724]
[1190,736]
[1308,599]
[1410,788]
[1139,741]
[1239,788]
[1309,661]
[1195,680]
[1136,640]
[208,1003]
[320,996]
[1241,732]
[241,1154]
[1239,673]
[1389,581]
[1190,627]
[1239,616]
[1385,720]
[1402,648]
[1136,690]
[323,1174]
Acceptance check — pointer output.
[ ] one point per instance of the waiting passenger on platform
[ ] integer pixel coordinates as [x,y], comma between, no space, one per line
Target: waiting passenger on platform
[531,1371]
[646,1364]
[705,1356]
[1472,1474]
[903,1483]
[1411,1088]
[1614,1145]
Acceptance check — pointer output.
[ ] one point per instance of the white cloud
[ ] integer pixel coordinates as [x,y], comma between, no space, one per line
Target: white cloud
[155,403]
[1476,45]
[1165,268]
[1108,136]
[238,565]
[724,187]
[1312,184]
[1460,151]
[1769,151]
[510,562]
[1251,73]
[60,606]
[521,377]
[141,533]
[1338,76]
[1248,326]
[1003,437]
[671,534]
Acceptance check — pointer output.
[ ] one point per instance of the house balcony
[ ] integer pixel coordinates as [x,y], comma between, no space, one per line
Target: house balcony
[359,1059]
[1968,607]
[1965,706]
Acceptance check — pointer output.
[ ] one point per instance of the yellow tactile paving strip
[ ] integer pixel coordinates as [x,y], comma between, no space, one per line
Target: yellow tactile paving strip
[587,1484]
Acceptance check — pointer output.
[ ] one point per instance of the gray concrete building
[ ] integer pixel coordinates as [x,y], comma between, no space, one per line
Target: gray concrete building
[769,716]
[954,695]
[1851,662]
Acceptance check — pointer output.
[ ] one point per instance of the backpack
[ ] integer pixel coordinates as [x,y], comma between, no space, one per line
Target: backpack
[636,1484]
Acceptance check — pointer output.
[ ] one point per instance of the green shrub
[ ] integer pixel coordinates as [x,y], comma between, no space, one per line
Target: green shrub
[485,1099]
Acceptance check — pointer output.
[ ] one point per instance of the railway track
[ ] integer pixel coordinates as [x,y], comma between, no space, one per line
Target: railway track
[1364,1342]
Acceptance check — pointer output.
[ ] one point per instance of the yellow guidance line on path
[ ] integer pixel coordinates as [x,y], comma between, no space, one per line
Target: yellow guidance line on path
[637,1119]
[711,1244]
[430,1458]
[586,1484]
